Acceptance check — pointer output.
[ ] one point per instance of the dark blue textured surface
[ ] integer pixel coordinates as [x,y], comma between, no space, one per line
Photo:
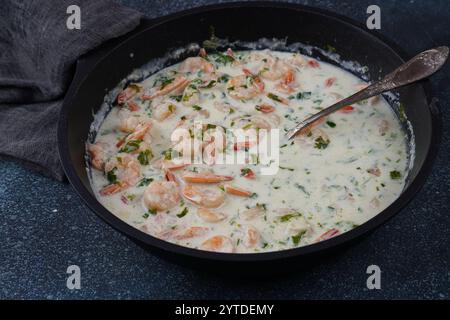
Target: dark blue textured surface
[45,227]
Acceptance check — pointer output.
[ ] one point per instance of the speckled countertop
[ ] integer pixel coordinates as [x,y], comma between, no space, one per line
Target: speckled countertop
[45,227]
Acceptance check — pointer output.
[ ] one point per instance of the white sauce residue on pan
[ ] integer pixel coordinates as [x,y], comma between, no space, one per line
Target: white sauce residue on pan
[331,178]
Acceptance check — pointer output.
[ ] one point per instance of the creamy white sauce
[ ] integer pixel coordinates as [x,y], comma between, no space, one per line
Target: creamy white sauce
[355,171]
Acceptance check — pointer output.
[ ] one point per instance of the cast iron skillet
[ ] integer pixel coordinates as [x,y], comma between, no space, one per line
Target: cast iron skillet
[106,67]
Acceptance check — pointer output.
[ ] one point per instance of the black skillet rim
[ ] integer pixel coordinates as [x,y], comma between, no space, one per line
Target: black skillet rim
[406,196]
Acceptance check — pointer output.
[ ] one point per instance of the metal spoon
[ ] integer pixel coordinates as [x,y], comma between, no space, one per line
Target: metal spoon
[421,66]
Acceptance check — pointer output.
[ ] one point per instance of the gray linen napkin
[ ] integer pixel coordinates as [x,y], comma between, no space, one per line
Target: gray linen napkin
[37,55]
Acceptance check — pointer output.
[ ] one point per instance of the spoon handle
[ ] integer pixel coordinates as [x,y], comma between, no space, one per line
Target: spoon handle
[421,66]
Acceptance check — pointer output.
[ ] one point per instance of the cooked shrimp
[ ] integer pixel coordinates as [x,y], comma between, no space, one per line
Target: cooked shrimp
[253,213]
[287,84]
[191,95]
[255,122]
[172,165]
[161,195]
[214,133]
[329,82]
[126,170]
[205,177]
[176,85]
[275,69]
[129,93]
[163,111]
[313,63]
[218,244]
[244,87]
[237,191]
[140,131]
[214,142]
[265,108]
[195,64]
[224,107]
[202,53]
[230,53]
[298,61]
[97,154]
[244,145]
[191,232]
[251,237]
[208,215]
[328,234]
[310,137]
[260,123]
[170,176]
[346,109]
[129,124]
[187,147]
[112,188]
[204,197]
[132,106]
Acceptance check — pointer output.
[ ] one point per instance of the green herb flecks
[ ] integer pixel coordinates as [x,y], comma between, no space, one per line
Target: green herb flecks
[401,112]
[211,84]
[395,175]
[223,58]
[287,168]
[183,212]
[111,176]
[302,188]
[177,98]
[145,182]
[331,124]
[150,212]
[167,154]
[289,216]
[296,239]
[224,78]
[144,157]
[164,82]
[321,143]
[131,146]
[274,97]
[246,171]
[300,96]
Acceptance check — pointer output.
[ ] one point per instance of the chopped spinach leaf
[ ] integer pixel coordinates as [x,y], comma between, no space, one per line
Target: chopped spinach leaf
[296,239]
[321,143]
[111,176]
[144,157]
[183,212]
[145,182]
[131,146]
[395,175]
[331,124]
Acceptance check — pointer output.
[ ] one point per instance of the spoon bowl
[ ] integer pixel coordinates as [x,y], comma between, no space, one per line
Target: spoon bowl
[420,67]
